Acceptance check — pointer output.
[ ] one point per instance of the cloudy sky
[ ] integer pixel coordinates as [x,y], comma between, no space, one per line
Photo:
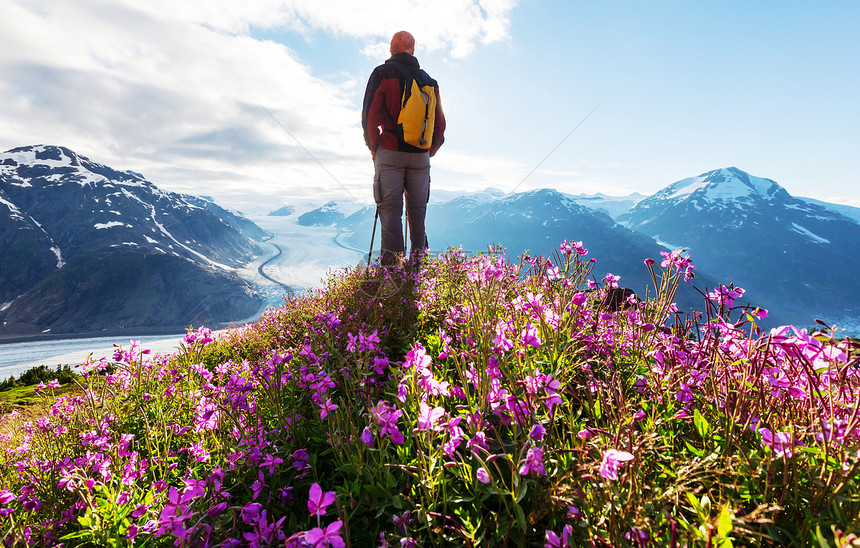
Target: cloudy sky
[257,102]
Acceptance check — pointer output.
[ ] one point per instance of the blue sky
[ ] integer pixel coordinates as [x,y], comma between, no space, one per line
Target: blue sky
[182,92]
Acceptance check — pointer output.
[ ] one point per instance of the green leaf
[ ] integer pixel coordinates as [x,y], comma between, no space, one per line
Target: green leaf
[693,450]
[521,516]
[523,492]
[724,522]
[397,502]
[820,538]
[701,424]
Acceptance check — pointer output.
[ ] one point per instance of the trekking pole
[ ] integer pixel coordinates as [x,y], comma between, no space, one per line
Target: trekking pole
[372,236]
[405,231]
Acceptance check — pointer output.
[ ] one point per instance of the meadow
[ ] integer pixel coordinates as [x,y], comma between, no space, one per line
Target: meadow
[455,401]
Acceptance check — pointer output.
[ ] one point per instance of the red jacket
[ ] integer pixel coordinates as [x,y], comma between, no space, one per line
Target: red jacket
[382,106]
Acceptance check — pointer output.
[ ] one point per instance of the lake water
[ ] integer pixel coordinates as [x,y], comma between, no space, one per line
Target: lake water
[15,358]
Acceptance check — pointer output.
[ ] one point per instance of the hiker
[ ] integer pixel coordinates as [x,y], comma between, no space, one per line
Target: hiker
[403,126]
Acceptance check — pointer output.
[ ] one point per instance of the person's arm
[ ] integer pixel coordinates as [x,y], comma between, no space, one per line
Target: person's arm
[371,112]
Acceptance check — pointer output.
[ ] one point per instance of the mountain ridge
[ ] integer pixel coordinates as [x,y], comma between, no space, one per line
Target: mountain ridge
[75,233]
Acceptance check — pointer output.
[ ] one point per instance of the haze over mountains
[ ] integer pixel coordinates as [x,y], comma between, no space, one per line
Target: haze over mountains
[84,248]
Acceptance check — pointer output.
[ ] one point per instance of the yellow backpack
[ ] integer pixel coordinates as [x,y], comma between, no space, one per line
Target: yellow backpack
[417,111]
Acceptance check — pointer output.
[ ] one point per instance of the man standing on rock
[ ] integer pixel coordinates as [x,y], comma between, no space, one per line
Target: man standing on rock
[403,126]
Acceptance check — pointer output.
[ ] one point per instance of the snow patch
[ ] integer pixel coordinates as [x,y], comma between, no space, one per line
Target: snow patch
[814,237]
[100,226]
[14,212]
[60,262]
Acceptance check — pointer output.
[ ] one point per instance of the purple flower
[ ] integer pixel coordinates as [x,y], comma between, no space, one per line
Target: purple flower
[725,296]
[402,522]
[319,501]
[367,343]
[386,416]
[329,536]
[533,463]
[428,418]
[326,406]
[271,462]
[779,442]
[537,432]
[483,475]
[612,459]
[367,436]
[579,299]
[352,345]
[680,263]
[530,336]
[586,433]
[612,280]
[553,540]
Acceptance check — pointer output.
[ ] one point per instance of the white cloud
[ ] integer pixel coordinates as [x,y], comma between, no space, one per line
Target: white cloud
[182,91]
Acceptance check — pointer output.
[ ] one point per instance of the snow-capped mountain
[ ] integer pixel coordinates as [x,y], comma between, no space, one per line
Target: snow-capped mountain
[797,255]
[87,247]
[328,214]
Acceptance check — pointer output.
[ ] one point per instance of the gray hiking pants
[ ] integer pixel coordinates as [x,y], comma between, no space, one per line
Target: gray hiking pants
[398,174]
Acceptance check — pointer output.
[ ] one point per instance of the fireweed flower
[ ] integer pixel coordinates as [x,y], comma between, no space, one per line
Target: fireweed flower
[554,541]
[537,432]
[530,336]
[386,416]
[780,443]
[680,263]
[271,462]
[367,343]
[324,537]
[533,463]
[428,418]
[572,247]
[612,280]
[612,459]
[725,296]
[352,345]
[319,501]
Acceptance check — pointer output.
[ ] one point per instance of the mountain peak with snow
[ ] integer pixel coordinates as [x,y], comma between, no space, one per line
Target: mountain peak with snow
[724,184]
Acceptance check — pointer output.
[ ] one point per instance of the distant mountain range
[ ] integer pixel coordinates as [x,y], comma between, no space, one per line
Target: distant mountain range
[84,247]
[794,256]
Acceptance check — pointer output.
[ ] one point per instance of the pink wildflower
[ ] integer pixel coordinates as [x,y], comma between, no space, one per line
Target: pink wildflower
[329,536]
[553,540]
[319,501]
[612,459]
[533,463]
[428,418]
